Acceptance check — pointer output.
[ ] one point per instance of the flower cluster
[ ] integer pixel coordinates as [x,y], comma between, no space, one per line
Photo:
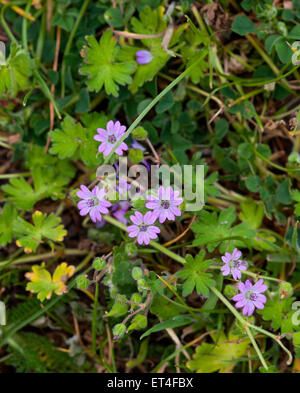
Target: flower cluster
[164,206]
[250,296]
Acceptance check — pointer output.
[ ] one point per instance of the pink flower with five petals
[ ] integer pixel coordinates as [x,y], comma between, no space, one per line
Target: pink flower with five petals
[251,296]
[93,202]
[110,137]
[143,229]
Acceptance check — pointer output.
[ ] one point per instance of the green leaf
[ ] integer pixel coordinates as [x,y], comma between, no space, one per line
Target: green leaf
[194,276]
[294,33]
[139,133]
[283,192]
[150,22]
[55,171]
[252,213]
[46,183]
[220,356]
[169,324]
[164,309]
[195,42]
[136,155]
[271,369]
[243,25]
[65,142]
[15,73]
[43,227]
[213,231]
[74,141]
[22,194]
[165,103]
[283,51]
[8,215]
[121,276]
[253,183]
[102,67]
[114,17]
[44,285]
[280,312]
[221,128]
[271,42]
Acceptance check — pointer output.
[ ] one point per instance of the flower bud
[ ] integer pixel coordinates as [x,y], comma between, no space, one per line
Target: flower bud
[139,133]
[285,290]
[137,273]
[117,310]
[99,263]
[131,249]
[230,291]
[82,282]
[119,331]
[136,298]
[138,322]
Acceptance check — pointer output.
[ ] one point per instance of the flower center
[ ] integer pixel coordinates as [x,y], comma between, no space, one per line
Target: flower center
[236,264]
[165,205]
[253,296]
[91,202]
[143,228]
[112,139]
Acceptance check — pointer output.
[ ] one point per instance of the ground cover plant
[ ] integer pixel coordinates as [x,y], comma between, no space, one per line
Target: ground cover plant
[93,280]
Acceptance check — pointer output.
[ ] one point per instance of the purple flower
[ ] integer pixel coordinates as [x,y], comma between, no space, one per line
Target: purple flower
[250,296]
[165,204]
[143,57]
[93,202]
[136,145]
[110,138]
[233,264]
[143,228]
[119,214]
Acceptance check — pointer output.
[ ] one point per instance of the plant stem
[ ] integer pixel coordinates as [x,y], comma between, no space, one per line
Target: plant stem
[24,27]
[94,321]
[6,28]
[255,346]
[153,103]
[11,175]
[263,54]
[69,44]
[40,257]
[46,91]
